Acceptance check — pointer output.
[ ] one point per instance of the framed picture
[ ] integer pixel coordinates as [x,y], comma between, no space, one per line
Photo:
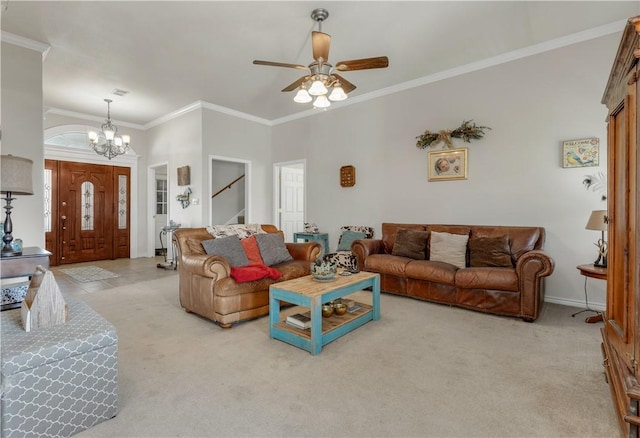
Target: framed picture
[448,164]
[581,153]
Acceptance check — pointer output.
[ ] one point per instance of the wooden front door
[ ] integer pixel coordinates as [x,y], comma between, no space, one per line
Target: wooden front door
[90,210]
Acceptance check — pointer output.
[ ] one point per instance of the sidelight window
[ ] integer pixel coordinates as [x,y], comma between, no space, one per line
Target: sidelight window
[87,206]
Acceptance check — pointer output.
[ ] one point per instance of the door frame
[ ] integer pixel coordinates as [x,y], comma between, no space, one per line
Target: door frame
[151,205]
[276,188]
[130,159]
[247,185]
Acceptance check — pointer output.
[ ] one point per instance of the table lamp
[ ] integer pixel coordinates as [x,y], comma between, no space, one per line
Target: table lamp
[15,179]
[598,222]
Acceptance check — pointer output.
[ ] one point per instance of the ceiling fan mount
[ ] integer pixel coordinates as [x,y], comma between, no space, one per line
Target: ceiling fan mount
[322,82]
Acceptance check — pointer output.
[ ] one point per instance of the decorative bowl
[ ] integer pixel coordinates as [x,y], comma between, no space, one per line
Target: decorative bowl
[327,310]
[323,271]
[340,308]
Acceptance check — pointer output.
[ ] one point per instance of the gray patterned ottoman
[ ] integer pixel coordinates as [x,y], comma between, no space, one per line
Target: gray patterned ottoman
[58,380]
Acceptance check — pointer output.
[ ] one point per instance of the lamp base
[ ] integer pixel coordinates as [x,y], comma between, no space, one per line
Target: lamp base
[8,251]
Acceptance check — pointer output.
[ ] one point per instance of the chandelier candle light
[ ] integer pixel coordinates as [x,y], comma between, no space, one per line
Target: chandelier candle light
[14,180]
[110,143]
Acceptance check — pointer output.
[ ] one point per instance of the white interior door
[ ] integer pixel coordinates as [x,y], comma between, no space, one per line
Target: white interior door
[291,200]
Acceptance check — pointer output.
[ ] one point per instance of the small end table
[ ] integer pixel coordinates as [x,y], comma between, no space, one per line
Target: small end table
[314,237]
[591,271]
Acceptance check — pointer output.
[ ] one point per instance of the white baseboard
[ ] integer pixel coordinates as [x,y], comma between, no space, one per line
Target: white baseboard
[575,303]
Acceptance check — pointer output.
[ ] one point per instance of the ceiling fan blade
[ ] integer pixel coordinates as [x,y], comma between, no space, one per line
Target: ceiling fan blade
[296,84]
[320,42]
[280,64]
[347,86]
[363,64]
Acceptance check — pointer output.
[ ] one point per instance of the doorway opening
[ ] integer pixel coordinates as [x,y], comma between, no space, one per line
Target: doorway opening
[159,210]
[229,185]
[290,197]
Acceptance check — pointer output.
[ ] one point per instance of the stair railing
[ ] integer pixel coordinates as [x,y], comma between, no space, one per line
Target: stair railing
[228,186]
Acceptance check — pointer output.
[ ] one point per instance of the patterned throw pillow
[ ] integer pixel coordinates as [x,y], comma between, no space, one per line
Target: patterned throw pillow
[449,248]
[228,247]
[272,248]
[347,238]
[410,243]
[241,230]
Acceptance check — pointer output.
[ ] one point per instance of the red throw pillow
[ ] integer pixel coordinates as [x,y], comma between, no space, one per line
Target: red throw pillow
[250,246]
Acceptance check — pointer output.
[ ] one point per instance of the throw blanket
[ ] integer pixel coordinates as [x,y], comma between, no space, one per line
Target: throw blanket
[254,272]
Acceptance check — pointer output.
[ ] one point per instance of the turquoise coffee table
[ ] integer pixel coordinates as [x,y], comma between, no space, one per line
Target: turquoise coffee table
[307,292]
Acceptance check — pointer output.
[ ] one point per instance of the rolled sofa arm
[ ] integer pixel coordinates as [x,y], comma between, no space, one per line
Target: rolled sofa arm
[210,266]
[305,251]
[531,269]
[363,248]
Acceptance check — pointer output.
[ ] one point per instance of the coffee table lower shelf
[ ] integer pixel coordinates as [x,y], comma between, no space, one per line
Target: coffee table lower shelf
[334,322]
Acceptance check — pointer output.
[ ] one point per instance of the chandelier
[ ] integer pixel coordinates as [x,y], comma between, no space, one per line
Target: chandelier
[108,142]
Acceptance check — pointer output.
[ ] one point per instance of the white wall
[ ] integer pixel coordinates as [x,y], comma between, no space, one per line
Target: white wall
[515,173]
[22,131]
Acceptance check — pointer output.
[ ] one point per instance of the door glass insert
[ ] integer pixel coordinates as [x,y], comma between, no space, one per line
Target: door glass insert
[122,202]
[87,206]
[47,200]
[161,196]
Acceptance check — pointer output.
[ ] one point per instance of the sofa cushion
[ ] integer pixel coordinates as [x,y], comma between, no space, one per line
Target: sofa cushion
[195,246]
[389,231]
[386,264]
[252,251]
[490,252]
[410,243]
[449,248]
[243,274]
[504,279]
[272,248]
[428,270]
[228,247]
[347,238]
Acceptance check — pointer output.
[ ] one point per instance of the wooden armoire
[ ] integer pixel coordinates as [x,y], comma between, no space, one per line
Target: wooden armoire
[621,332]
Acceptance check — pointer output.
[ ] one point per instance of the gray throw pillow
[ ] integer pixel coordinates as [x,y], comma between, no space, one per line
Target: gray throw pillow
[410,243]
[228,247]
[272,248]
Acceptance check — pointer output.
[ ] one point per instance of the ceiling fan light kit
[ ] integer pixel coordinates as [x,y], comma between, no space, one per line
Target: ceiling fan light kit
[322,84]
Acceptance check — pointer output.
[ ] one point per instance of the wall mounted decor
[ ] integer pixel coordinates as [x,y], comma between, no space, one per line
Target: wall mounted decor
[467,131]
[184,176]
[347,176]
[448,164]
[581,153]
[184,199]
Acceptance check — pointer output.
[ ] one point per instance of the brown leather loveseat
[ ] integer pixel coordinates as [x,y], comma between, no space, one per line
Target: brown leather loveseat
[207,289]
[514,286]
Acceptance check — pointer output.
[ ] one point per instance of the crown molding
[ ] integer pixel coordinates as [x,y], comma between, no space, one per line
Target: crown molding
[17,40]
[90,117]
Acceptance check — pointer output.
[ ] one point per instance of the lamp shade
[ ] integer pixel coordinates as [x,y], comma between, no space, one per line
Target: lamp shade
[598,220]
[15,176]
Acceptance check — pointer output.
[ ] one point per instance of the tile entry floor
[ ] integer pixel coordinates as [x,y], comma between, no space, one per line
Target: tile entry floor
[130,271]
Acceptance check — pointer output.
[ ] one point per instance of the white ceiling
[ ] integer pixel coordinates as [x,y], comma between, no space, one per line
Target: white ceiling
[169,54]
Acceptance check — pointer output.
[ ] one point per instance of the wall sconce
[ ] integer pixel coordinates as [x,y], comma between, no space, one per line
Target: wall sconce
[184,198]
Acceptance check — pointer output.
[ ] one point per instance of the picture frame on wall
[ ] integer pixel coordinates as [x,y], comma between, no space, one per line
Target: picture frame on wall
[581,153]
[448,164]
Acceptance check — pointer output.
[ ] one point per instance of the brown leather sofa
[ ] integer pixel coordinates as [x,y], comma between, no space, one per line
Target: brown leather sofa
[207,289]
[517,290]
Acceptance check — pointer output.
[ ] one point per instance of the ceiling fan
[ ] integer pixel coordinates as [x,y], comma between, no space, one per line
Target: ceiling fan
[321,83]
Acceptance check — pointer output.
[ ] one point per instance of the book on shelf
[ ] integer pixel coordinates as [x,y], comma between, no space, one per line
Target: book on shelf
[352,306]
[300,320]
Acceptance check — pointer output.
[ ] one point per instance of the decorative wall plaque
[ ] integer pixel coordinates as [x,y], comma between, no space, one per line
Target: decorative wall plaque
[184,176]
[347,176]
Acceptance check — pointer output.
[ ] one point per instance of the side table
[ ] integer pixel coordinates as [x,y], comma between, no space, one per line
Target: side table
[314,237]
[23,266]
[591,271]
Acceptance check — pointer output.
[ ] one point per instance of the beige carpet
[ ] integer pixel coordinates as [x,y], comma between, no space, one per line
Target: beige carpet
[422,370]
